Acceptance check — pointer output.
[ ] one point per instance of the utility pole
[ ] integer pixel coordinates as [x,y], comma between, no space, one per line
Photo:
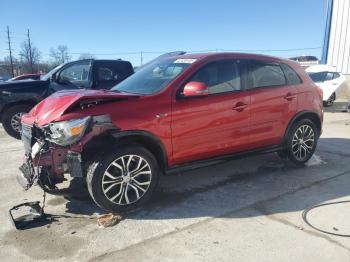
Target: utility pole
[10,51]
[141,58]
[30,52]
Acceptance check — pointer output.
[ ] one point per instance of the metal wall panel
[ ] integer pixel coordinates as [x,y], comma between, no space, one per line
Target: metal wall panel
[338,53]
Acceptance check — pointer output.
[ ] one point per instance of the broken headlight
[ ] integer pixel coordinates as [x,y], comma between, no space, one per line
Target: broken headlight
[68,132]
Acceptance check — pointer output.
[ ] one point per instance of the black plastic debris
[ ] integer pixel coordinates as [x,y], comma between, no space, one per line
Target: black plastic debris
[26,214]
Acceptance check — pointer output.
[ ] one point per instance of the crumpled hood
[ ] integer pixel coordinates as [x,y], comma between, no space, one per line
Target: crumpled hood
[57,104]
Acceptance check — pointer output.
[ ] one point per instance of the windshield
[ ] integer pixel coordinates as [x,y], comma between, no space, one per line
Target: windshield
[153,77]
[49,74]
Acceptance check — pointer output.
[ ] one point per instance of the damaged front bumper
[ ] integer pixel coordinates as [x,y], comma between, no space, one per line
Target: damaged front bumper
[44,162]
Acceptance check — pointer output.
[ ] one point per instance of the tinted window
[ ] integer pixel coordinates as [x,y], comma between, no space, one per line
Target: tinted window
[220,77]
[318,77]
[336,75]
[291,75]
[266,74]
[110,73]
[105,74]
[113,70]
[329,76]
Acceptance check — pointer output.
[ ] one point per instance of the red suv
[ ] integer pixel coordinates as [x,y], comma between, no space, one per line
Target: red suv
[176,112]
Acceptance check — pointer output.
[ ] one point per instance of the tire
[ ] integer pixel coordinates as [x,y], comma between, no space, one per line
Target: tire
[302,141]
[330,101]
[11,120]
[111,186]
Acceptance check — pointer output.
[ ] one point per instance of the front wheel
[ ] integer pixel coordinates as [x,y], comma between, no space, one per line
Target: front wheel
[123,179]
[301,141]
[11,120]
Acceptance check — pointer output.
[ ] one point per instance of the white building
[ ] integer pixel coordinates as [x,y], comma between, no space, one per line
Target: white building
[336,47]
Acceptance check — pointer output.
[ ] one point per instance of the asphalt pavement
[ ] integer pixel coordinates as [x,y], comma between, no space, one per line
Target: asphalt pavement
[243,210]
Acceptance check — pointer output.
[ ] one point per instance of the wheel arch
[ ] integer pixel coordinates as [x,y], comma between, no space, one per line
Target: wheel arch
[136,137]
[31,103]
[313,116]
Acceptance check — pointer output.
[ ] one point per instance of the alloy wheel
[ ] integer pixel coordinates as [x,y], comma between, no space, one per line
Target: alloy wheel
[303,142]
[126,179]
[16,122]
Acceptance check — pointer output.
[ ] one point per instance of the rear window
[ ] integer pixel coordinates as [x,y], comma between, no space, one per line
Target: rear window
[265,74]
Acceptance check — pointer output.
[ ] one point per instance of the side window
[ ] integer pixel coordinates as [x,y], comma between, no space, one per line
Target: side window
[318,77]
[329,76]
[106,74]
[77,74]
[220,77]
[114,71]
[110,73]
[291,75]
[265,74]
[336,75]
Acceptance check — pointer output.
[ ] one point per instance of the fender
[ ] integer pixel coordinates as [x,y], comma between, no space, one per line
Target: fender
[299,116]
[153,141]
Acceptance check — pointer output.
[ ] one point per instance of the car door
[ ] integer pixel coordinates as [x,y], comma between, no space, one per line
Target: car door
[273,101]
[216,124]
[109,73]
[73,76]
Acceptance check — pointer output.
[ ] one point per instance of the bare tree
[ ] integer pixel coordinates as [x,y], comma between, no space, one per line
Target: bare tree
[29,54]
[86,56]
[60,54]
[10,51]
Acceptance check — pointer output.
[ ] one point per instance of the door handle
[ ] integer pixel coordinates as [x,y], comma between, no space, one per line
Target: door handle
[239,107]
[290,96]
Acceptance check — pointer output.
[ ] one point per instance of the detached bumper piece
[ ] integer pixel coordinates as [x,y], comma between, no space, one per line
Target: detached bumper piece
[25,177]
[24,215]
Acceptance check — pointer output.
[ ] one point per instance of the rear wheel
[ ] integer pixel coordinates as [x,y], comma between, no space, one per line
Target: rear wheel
[301,141]
[11,120]
[330,100]
[123,179]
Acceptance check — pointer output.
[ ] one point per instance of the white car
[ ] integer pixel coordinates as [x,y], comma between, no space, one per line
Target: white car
[327,79]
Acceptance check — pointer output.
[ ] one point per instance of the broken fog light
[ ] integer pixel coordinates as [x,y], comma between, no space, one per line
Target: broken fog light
[68,132]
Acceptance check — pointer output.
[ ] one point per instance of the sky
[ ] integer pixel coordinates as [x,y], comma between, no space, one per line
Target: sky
[122,29]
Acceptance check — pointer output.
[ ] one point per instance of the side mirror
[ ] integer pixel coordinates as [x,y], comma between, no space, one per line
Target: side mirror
[195,89]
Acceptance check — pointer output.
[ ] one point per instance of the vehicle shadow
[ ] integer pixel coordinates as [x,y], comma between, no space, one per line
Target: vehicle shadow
[263,183]
[336,107]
